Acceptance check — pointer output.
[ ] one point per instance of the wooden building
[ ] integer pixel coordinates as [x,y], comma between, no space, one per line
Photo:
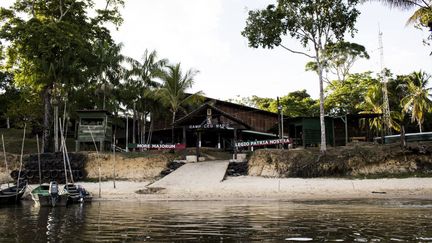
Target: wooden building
[306,131]
[217,124]
[93,126]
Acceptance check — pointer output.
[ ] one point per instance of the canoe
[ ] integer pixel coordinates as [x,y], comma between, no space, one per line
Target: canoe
[77,193]
[41,196]
[12,194]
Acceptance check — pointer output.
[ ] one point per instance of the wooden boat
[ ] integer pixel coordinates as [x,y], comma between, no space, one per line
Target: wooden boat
[47,195]
[77,193]
[12,194]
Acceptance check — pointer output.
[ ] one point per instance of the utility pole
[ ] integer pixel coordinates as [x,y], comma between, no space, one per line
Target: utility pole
[127,132]
[279,107]
[386,106]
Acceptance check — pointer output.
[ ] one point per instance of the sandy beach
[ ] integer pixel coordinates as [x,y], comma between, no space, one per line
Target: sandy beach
[259,188]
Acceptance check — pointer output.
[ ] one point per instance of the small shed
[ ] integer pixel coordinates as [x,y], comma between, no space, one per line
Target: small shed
[306,131]
[94,126]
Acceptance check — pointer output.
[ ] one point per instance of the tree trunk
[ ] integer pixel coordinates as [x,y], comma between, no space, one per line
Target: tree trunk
[172,127]
[420,127]
[46,119]
[402,137]
[138,124]
[144,127]
[134,124]
[149,137]
[323,147]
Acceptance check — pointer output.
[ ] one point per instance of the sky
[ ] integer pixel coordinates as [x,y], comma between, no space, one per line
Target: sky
[205,36]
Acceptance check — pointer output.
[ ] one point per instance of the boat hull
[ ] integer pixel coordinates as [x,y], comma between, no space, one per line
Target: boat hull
[77,194]
[11,196]
[50,201]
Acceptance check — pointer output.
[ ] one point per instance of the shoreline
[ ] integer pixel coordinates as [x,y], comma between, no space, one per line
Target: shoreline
[249,188]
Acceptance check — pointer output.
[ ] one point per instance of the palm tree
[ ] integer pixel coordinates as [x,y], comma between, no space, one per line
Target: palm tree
[422,16]
[417,101]
[373,104]
[173,91]
[110,70]
[142,81]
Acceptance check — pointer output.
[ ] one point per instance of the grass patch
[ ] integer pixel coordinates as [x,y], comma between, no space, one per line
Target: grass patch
[13,141]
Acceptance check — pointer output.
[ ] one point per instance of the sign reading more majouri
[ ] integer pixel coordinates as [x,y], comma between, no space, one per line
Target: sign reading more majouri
[263,142]
[157,146]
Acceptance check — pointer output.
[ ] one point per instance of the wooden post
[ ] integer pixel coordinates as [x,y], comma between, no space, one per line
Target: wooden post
[282,127]
[21,157]
[114,164]
[333,131]
[127,133]
[303,134]
[101,145]
[99,164]
[235,142]
[39,164]
[184,135]
[346,130]
[134,124]
[5,160]
[382,131]
[197,147]
[64,153]
[199,139]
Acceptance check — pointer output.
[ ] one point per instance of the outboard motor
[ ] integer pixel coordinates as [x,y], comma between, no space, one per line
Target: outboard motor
[53,191]
[53,188]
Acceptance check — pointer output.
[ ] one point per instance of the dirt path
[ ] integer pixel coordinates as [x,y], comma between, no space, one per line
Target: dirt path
[194,175]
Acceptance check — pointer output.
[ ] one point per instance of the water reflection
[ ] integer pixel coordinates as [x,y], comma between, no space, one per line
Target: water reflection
[360,221]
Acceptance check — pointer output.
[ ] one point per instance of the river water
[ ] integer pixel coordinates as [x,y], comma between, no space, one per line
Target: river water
[221,221]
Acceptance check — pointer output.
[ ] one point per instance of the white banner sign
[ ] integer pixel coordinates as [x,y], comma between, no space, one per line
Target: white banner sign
[263,142]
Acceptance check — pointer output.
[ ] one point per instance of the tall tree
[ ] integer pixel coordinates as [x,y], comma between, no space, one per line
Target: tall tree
[418,100]
[143,77]
[174,88]
[52,44]
[314,23]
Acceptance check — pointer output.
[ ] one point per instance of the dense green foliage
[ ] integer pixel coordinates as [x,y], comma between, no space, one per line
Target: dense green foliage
[339,58]
[361,93]
[53,46]
[60,53]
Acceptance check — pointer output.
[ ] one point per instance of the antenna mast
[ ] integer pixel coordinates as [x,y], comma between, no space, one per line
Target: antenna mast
[386,106]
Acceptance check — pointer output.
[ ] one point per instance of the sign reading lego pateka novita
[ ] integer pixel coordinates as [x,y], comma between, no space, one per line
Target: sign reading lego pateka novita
[263,142]
[157,146]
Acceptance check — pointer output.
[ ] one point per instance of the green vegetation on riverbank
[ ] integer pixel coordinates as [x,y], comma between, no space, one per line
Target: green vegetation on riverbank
[13,141]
